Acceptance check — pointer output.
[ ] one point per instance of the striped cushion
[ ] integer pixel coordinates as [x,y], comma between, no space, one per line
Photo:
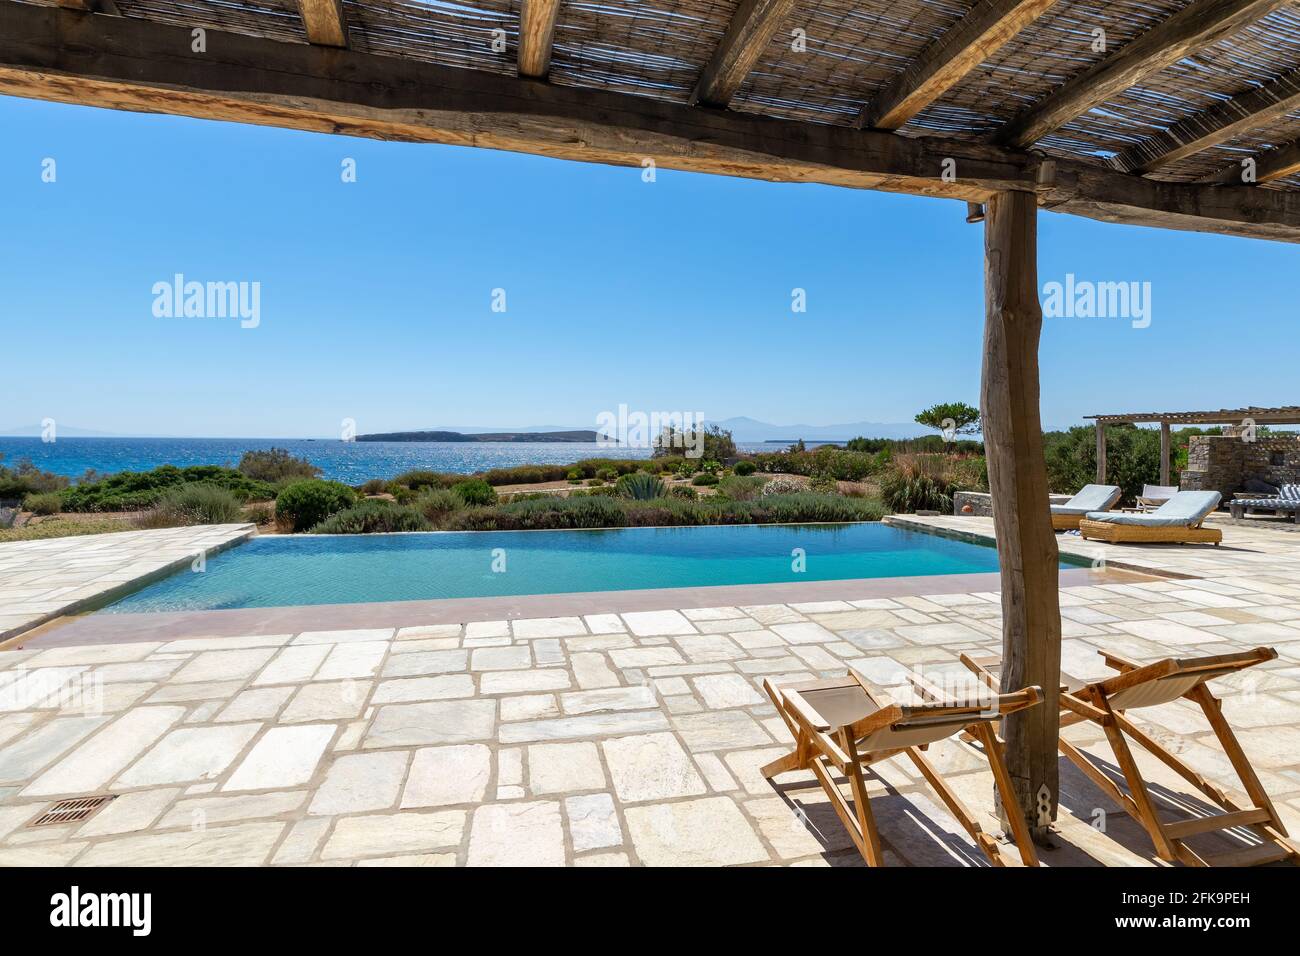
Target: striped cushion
[1291,492]
[1279,504]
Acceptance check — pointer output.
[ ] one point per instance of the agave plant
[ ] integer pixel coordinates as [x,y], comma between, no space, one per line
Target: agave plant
[641,486]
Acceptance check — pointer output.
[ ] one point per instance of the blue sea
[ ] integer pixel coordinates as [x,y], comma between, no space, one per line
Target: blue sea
[350,462]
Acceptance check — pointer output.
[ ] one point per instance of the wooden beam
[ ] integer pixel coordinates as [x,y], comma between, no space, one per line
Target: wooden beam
[1197,25]
[1027,554]
[1164,453]
[1101,453]
[988,26]
[1252,110]
[91,6]
[752,27]
[325,23]
[1269,165]
[536,33]
[134,64]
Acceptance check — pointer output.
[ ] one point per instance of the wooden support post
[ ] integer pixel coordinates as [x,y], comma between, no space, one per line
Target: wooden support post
[1164,453]
[1013,437]
[1101,453]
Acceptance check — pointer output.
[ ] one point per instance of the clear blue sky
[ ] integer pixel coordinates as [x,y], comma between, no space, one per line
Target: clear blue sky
[666,296]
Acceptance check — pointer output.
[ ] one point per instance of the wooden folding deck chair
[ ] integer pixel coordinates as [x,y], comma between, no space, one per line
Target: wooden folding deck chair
[841,724]
[1105,702]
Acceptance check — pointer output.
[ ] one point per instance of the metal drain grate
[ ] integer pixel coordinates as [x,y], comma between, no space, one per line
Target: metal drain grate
[71,811]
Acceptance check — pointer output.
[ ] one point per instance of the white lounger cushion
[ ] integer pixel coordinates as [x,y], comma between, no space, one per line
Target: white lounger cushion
[1089,498]
[1184,510]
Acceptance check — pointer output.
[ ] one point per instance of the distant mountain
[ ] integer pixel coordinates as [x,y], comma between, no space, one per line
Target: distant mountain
[577,435]
[61,431]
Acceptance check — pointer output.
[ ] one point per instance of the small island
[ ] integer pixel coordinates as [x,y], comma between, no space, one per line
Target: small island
[579,435]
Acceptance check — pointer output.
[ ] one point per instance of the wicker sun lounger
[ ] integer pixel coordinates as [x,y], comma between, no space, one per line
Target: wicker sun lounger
[1177,521]
[1066,517]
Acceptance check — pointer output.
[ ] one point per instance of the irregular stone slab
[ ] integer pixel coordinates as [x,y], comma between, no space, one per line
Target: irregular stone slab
[390,833]
[594,725]
[651,767]
[726,690]
[101,758]
[200,690]
[564,768]
[441,776]
[720,730]
[591,671]
[356,660]
[708,832]
[530,628]
[293,665]
[512,657]
[523,682]
[285,757]
[223,665]
[192,753]
[615,698]
[404,689]
[261,703]
[358,782]
[345,637]
[246,844]
[338,700]
[20,761]
[645,656]
[412,859]
[426,662]
[593,823]
[656,623]
[529,707]
[129,813]
[300,844]
[434,722]
[517,834]
[805,632]
[208,811]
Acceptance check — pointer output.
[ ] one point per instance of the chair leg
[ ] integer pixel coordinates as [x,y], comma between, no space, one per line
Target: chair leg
[1002,777]
[870,846]
[1138,792]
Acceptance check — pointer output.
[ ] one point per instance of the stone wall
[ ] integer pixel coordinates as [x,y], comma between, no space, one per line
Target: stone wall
[1222,463]
[981,502]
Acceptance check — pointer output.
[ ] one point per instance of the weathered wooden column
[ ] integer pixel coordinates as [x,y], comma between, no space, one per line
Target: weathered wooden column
[1101,453]
[1164,453]
[1013,439]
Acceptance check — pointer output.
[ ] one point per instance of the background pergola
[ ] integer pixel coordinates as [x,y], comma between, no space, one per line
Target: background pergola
[1166,113]
[1287,415]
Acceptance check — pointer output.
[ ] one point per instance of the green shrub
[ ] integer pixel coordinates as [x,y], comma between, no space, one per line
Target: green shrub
[475,491]
[193,504]
[743,468]
[372,516]
[607,474]
[640,486]
[305,504]
[551,512]
[684,491]
[437,503]
[704,480]
[741,487]
[919,483]
[422,478]
[1132,458]
[785,486]
[275,464]
[260,514]
[375,486]
[134,490]
[24,478]
[43,503]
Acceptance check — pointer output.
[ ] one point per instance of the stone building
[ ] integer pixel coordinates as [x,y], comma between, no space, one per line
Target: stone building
[1224,463]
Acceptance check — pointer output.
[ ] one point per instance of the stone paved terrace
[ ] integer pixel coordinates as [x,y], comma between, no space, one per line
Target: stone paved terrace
[42,579]
[598,739]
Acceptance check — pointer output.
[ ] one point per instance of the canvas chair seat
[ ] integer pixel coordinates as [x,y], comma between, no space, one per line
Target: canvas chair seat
[1104,703]
[843,725]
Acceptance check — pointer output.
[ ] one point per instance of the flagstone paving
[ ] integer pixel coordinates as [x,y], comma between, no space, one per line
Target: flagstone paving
[605,739]
[39,580]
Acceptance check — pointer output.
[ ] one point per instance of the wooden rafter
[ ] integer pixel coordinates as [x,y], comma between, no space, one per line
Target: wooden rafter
[752,27]
[134,64]
[536,30]
[325,23]
[1269,166]
[1252,110]
[988,26]
[1197,25]
[91,6]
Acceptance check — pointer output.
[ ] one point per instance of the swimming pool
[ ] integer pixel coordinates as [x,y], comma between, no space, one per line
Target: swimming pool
[352,569]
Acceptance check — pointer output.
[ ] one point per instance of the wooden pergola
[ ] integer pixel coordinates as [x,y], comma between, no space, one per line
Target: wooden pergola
[1286,415]
[1182,114]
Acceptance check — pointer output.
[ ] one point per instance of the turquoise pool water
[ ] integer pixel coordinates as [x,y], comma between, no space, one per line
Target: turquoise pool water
[351,569]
